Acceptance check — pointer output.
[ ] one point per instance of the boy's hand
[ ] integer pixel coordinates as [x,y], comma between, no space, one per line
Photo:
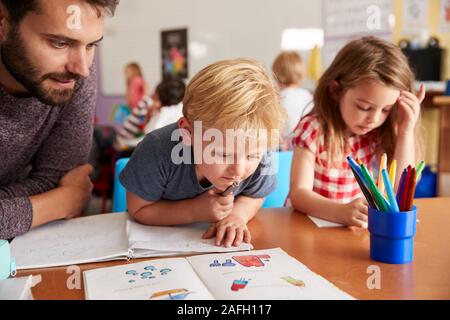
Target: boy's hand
[409,111]
[230,231]
[211,207]
[354,213]
[78,187]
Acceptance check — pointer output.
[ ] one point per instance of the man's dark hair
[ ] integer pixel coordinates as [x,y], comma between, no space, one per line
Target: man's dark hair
[170,92]
[18,9]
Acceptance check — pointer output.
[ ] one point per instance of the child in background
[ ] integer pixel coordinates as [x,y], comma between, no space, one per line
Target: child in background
[177,174]
[289,71]
[163,108]
[167,105]
[136,85]
[363,107]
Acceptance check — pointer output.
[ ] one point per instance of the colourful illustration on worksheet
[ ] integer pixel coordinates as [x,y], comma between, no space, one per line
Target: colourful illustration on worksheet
[227,263]
[252,260]
[294,282]
[149,272]
[239,284]
[174,294]
[245,261]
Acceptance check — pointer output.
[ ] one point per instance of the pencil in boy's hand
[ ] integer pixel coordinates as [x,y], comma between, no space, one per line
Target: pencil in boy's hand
[230,189]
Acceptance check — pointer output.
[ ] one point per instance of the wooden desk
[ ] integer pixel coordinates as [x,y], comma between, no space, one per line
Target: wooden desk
[444,145]
[341,255]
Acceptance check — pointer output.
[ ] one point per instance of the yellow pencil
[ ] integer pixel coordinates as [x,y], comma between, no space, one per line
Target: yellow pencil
[392,172]
[383,165]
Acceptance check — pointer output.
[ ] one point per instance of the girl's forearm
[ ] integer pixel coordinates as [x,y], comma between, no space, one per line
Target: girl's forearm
[405,153]
[309,202]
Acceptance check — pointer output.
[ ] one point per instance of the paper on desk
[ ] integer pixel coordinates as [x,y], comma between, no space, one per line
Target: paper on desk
[18,288]
[155,241]
[321,223]
[82,240]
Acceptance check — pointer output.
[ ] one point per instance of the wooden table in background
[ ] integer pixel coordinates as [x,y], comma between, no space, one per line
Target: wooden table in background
[341,255]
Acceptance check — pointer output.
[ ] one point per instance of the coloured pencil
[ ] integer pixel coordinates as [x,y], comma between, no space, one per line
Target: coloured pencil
[364,190]
[419,170]
[401,186]
[355,167]
[383,165]
[392,172]
[404,195]
[390,191]
[375,192]
[411,191]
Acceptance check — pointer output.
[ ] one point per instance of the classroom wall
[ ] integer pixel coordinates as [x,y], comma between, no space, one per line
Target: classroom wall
[255,28]
[229,29]
[433,26]
[430,117]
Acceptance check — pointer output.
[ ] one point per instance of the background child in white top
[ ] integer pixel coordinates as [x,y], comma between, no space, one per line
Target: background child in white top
[289,71]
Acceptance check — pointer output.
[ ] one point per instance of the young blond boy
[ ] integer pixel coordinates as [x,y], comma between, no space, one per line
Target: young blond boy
[231,118]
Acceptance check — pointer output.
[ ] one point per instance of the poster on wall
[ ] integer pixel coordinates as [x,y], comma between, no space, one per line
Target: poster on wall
[174,49]
[445,15]
[346,20]
[415,16]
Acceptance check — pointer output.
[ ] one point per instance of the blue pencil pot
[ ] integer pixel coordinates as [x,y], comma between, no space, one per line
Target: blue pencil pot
[392,235]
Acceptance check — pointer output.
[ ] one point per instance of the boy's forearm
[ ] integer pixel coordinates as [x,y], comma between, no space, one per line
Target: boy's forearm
[309,202]
[166,213]
[49,206]
[246,207]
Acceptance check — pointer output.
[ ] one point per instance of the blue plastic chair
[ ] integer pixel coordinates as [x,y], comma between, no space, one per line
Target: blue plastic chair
[282,162]
[119,193]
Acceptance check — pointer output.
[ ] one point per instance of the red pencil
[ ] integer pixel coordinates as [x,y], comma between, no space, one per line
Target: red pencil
[411,191]
[405,190]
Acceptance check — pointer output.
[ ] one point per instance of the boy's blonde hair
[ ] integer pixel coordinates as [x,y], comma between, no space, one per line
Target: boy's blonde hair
[364,59]
[235,94]
[288,68]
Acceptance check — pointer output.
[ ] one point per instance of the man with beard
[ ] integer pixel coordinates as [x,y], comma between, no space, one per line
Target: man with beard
[47,102]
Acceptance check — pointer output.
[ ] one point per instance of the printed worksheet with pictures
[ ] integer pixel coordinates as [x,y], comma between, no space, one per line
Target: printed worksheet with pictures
[262,274]
[164,279]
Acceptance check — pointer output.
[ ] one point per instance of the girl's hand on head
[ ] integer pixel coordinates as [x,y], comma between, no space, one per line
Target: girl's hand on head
[354,214]
[231,231]
[409,109]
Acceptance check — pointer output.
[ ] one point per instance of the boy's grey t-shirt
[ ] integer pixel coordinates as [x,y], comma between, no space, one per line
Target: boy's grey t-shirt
[152,174]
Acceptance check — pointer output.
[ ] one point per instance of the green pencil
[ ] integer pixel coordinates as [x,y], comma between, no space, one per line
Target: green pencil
[376,193]
[419,170]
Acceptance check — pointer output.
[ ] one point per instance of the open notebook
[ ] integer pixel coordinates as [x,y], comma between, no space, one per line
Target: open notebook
[107,237]
[262,274]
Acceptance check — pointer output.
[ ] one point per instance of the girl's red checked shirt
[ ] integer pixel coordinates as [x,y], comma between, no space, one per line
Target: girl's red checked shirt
[335,183]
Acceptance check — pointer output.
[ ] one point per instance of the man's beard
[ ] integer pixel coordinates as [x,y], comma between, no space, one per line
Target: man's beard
[17,63]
